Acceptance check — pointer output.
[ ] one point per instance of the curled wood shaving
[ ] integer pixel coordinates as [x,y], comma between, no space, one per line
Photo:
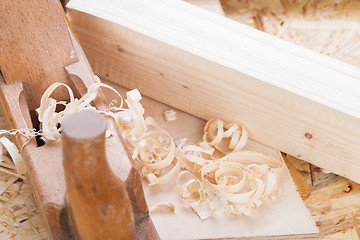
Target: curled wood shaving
[163,206]
[50,120]
[155,151]
[216,133]
[194,194]
[228,176]
[25,132]
[48,117]
[136,110]
[193,157]
[14,154]
[131,121]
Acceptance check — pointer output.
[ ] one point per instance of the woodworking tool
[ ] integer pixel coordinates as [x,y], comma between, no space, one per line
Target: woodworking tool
[37,49]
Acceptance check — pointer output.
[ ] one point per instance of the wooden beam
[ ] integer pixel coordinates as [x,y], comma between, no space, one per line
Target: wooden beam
[289,98]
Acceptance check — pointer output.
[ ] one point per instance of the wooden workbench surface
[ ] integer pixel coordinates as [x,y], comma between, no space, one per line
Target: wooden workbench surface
[333,201]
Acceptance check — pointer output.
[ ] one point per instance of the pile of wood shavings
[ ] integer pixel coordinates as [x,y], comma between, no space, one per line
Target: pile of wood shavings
[241,179]
[328,27]
[215,167]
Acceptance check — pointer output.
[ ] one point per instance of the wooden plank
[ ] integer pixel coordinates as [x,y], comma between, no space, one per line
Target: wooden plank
[289,98]
[185,224]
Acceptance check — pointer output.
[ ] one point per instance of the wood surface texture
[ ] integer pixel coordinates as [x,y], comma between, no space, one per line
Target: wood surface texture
[289,98]
[327,27]
[332,200]
[35,46]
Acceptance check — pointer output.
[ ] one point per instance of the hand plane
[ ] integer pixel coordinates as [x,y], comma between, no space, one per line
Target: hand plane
[38,49]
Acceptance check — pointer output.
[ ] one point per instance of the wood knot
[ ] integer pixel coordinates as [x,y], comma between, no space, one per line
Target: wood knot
[348,189]
[119,48]
[308,135]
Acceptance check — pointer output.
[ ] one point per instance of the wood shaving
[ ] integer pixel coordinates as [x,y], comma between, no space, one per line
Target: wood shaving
[216,132]
[194,194]
[170,115]
[162,207]
[155,151]
[15,155]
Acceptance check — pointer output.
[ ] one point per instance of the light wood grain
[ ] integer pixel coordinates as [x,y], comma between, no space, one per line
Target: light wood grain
[289,98]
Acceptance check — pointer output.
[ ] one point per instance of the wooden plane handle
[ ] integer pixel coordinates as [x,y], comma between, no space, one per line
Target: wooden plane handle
[97,200]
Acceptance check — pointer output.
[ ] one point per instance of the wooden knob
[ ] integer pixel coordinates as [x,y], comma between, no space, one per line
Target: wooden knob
[97,200]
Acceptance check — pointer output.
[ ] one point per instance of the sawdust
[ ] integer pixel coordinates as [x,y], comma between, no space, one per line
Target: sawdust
[19,214]
[328,27]
[334,202]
